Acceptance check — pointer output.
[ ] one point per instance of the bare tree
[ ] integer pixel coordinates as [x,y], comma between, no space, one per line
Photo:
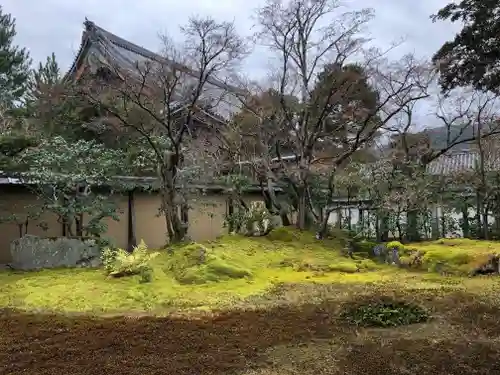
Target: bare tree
[167,103]
[472,117]
[412,161]
[326,126]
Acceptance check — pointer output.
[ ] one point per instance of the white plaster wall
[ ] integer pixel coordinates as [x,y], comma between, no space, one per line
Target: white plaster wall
[439,210]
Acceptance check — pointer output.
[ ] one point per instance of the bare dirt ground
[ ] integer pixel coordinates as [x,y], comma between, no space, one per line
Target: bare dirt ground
[269,339]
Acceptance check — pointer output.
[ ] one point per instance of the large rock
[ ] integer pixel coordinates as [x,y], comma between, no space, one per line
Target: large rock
[32,253]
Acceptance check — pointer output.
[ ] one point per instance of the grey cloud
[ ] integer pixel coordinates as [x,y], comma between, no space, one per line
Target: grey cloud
[55,25]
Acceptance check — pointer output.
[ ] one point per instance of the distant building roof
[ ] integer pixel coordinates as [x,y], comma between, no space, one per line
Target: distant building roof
[451,162]
[99,46]
[10,181]
[144,182]
[459,162]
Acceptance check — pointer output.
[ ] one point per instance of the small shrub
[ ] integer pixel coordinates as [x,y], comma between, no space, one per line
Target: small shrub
[119,263]
[256,221]
[384,313]
[108,258]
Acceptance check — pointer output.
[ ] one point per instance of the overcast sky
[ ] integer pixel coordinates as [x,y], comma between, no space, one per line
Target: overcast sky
[56,25]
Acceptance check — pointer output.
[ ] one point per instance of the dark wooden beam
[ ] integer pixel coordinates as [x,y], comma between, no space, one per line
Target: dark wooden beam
[229,213]
[131,238]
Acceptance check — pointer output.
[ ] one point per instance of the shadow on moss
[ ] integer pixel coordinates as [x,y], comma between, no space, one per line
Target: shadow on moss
[241,341]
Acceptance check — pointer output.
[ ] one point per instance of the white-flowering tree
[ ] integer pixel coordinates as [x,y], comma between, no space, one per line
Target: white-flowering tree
[74,181]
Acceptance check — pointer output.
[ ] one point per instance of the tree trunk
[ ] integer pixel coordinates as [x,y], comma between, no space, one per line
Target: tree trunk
[268,203]
[175,229]
[412,232]
[230,213]
[274,203]
[486,228]
[131,239]
[339,218]
[400,230]
[285,221]
[479,232]
[79,225]
[302,210]
[435,223]
[383,225]
[465,225]
[482,192]
[497,224]
[361,220]
[443,223]
[184,213]
[323,227]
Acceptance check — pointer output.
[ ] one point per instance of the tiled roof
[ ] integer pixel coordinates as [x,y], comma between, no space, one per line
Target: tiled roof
[102,44]
[448,163]
[136,182]
[459,162]
[10,181]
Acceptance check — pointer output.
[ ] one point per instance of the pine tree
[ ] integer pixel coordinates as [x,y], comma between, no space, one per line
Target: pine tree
[14,64]
[47,74]
[473,56]
[43,81]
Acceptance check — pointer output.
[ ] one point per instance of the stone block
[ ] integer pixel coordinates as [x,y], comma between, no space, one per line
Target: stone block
[32,253]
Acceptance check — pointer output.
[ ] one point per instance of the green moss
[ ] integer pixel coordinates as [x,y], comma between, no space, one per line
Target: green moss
[292,236]
[454,256]
[220,273]
[395,245]
[364,247]
[199,264]
[212,274]
[368,264]
[348,267]
[215,271]
[284,234]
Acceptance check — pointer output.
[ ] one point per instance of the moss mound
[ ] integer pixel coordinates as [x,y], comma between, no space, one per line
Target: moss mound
[335,262]
[384,312]
[285,253]
[450,256]
[289,234]
[199,264]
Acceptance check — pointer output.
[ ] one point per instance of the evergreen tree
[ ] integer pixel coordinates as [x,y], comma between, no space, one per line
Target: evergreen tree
[343,96]
[473,56]
[14,64]
[47,74]
[43,83]
[52,106]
